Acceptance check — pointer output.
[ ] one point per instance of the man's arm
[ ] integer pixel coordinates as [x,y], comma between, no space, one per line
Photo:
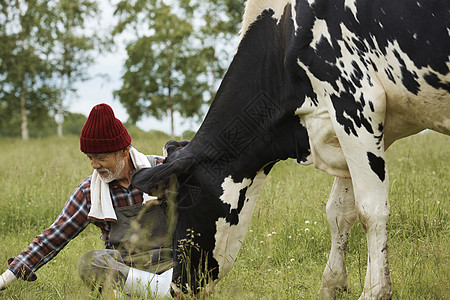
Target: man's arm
[71,221]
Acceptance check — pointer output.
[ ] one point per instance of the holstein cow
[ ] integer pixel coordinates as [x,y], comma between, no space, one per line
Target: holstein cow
[333,83]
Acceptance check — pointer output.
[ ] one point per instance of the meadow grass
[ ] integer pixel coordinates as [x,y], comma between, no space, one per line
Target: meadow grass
[286,248]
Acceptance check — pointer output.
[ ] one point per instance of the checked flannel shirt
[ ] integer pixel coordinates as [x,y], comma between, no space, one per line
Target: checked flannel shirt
[71,221]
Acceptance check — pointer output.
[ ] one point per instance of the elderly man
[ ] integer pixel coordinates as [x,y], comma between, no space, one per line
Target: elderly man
[137,256]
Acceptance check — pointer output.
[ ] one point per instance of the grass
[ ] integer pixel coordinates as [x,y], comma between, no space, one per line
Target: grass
[287,245]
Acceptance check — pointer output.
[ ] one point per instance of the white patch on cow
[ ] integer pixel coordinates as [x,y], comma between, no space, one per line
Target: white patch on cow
[229,238]
[350,4]
[320,30]
[255,8]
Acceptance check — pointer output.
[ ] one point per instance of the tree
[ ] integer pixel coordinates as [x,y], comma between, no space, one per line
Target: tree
[163,72]
[218,28]
[24,73]
[179,56]
[73,123]
[72,50]
[45,50]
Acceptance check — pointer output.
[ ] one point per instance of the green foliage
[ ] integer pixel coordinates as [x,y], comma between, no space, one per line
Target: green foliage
[188,134]
[162,70]
[72,46]
[287,246]
[42,55]
[173,64]
[73,123]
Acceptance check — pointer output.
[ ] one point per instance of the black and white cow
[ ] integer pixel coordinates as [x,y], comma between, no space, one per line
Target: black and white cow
[333,83]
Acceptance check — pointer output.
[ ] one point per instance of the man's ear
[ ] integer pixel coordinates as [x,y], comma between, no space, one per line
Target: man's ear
[125,151]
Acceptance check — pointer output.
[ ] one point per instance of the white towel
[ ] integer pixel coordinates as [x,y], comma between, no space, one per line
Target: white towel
[101,204]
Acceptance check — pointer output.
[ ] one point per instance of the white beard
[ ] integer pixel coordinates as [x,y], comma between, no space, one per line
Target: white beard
[112,176]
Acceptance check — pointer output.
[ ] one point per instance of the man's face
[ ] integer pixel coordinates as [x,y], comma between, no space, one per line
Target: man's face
[108,165]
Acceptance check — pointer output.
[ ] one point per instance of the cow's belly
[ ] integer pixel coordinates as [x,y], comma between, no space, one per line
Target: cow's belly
[326,152]
[407,114]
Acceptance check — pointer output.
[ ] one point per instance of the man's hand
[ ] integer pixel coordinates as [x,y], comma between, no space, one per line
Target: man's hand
[6,279]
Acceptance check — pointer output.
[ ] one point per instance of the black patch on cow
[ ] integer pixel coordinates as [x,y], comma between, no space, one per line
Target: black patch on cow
[433,80]
[380,136]
[233,216]
[371,106]
[377,165]
[374,66]
[325,50]
[389,75]
[268,168]
[357,75]
[350,113]
[408,78]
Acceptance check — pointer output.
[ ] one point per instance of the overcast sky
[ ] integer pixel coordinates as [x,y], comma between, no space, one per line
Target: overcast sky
[100,90]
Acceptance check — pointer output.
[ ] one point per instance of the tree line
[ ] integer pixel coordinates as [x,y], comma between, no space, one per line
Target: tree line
[176,55]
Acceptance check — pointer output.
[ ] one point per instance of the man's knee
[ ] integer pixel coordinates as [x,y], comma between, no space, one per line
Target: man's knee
[98,266]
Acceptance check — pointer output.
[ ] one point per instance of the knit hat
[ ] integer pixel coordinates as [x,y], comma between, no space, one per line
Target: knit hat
[103,132]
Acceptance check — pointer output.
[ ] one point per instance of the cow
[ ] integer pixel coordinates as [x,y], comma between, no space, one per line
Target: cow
[331,83]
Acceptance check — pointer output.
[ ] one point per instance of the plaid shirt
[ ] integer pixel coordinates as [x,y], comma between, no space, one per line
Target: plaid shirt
[72,220]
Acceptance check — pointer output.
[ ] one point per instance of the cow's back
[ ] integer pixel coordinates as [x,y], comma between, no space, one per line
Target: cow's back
[400,47]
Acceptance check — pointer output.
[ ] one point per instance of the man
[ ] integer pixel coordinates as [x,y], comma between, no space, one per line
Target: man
[137,255]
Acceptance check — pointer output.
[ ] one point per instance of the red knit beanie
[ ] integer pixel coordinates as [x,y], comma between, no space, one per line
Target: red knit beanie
[103,132]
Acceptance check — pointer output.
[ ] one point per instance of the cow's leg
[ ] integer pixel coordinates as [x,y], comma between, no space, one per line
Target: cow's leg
[373,210]
[370,186]
[359,128]
[341,215]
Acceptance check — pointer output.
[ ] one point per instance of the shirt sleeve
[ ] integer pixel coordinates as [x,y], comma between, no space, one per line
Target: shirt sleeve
[71,221]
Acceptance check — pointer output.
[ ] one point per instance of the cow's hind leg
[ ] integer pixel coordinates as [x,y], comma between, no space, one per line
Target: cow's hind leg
[341,215]
[366,163]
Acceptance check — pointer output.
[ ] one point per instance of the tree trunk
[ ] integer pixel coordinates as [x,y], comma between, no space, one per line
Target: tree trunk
[23,112]
[171,114]
[60,112]
[23,109]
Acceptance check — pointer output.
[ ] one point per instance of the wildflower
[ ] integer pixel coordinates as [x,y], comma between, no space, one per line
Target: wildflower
[307,222]
[269,234]
[289,237]
[306,229]
[292,260]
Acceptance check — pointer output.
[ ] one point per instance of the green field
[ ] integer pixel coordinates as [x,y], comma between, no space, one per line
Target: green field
[287,245]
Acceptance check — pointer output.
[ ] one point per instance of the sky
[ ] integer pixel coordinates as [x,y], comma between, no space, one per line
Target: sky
[100,90]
